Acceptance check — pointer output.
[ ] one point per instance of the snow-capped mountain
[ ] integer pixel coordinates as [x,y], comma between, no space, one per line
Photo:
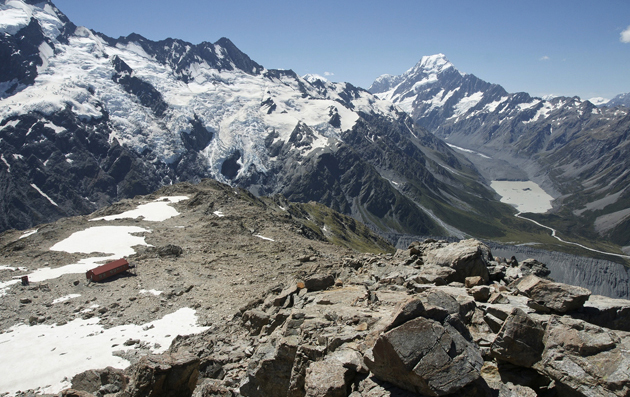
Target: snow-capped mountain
[86,119]
[619,100]
[568,145]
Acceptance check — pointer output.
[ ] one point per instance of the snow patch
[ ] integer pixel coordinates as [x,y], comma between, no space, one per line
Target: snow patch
[467,103]
[150,291]
[468,151]
[54,127]
[116,240]
[14,15]
[65,298]
[6,163]
[46,356]
[28,233]
[528,105]
[44,194]
[157,211]
[6,285]
[492,106]
[264,238]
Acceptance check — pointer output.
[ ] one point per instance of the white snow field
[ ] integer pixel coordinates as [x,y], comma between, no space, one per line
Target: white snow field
[156,211]
[45,357]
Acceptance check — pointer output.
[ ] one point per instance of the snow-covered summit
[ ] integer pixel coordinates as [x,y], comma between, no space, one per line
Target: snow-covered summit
[16,15]
[313,78]
[599,101]
[431,64]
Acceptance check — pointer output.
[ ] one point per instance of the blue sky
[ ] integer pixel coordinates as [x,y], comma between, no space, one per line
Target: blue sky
[542,47]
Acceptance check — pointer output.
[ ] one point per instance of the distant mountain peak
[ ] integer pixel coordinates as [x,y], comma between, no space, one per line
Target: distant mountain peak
[312,77]
[432,64]
[425,71]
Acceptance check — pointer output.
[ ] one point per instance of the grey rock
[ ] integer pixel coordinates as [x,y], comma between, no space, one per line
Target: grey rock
[424,356]
[269,370]
[480,293]
[550,297]
[333,376]
[468,258]
[95,380]
[255,320]
[520,340]
[493,322]
[473,281]
[498,298]
[170,250]
[285,294]
[605,312]
[319,282]
[511,390]
[587,359]
[163,375]
[532,266]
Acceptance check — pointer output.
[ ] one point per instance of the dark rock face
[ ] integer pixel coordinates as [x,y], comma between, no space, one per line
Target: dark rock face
[20,56]
[520,340]
[163,375]
[179,54]
[425,357]
[230,166]
[199,137]
[75,170]
[144,91]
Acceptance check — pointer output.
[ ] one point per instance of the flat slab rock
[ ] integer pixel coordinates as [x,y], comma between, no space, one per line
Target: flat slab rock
[468,258]
[550,297]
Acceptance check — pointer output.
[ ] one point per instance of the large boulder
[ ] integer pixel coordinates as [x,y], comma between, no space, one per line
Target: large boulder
[532,266]
[269,372]
[333,376]
[467,258]
[318,282]
[586,359]
[520,340]
[96,380]
[605,312]
[426,357]
[165,375]
[550,297]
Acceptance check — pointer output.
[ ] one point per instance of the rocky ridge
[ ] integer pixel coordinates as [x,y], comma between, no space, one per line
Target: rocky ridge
[291,314]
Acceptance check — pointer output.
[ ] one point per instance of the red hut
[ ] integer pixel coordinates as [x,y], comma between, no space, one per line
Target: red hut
[107,270]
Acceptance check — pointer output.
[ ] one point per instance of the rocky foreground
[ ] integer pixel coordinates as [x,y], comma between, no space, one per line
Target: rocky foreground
[292,315]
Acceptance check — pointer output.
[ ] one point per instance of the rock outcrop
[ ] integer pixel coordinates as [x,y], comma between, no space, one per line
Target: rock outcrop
[426,356]
[549,297]
[382,325]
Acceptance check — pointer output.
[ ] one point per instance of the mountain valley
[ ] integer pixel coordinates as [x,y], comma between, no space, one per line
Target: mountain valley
[568,146]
